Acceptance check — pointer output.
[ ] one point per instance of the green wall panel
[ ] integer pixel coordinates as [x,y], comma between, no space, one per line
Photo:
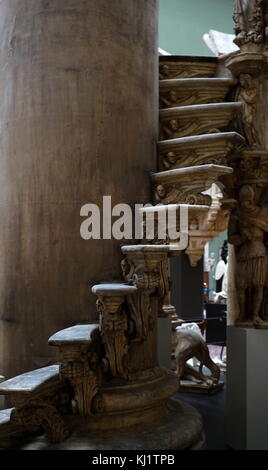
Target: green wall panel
[182,24]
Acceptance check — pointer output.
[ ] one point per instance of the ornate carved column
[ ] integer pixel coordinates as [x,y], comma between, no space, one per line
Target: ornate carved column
[248,229]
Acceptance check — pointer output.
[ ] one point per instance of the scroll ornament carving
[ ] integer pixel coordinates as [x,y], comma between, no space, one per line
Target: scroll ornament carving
[179,70]
[171,160]
[85,383]
[171,194]
[140,310]
[41,415]
[114,326]
[248,231]
[173,98]
[174,127]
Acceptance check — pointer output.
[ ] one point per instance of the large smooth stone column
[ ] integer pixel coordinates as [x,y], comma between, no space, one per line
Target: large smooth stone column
[78,120]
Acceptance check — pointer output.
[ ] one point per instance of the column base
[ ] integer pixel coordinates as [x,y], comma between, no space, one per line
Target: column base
[180,428]
[204,388]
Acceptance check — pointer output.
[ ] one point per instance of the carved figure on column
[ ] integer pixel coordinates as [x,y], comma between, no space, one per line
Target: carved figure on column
[248,17]
[248,93]
[248,231]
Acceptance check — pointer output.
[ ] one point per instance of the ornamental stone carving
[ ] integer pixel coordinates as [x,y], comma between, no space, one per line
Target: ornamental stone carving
[248,233]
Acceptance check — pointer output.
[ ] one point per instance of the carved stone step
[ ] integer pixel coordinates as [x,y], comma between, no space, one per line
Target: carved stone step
[186,67]
[193,210]
[188,91]
[32,385]
[145,249]
[196,119]
[185,185]
[75,335]
[113,289]
[184,217]
[146,257]
[199,150]
[111,296]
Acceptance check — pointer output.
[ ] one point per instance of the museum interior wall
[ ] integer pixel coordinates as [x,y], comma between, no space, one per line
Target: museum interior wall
[183,23]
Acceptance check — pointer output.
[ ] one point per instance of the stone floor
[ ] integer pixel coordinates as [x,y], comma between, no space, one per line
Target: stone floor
[212,409]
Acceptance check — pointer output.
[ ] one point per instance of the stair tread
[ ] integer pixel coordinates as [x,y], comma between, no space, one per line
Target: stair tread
[199,149]
[199,109]
[196,82]
[205,139]
[113,289]
[192,208]
[180,174]
[31,382]
[78,334]
[145,248]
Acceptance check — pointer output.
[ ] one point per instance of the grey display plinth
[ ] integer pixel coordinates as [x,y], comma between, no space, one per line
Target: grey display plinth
[247,388]
[164,342]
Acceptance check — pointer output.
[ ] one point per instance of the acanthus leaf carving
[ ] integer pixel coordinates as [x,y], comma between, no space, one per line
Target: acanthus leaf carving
[114,327]
[84,381]
[43,415]
[140,305]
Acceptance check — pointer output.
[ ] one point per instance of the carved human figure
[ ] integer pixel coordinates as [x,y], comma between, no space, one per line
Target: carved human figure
[164,71]
[247,231]
[248,93]
[160,193]
[249,21]
[169,160]
[240,18]
[171,128]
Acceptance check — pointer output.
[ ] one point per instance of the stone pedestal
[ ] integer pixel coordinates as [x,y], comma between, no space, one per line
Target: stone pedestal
[247,388]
